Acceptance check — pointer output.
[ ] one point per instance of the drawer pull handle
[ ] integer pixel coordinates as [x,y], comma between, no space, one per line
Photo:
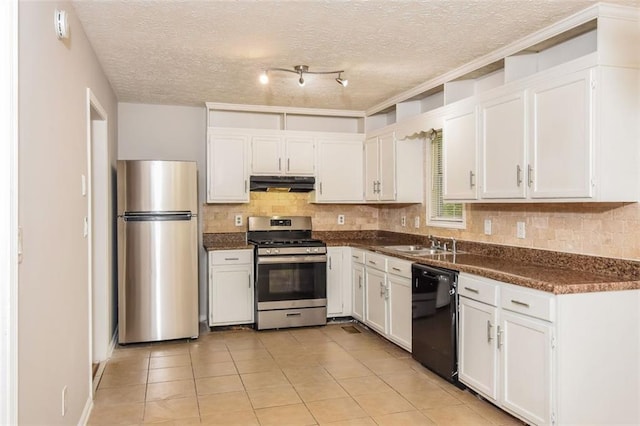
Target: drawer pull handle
[396,269]
[294,314]
[231,258]
[517,302]
[372,262]
[472,290]
[489,326]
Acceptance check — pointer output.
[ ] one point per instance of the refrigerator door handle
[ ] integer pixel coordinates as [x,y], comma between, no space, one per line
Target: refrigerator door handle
[147,217]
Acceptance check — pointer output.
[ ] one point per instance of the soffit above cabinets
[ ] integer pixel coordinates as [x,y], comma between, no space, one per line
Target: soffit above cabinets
[190,52]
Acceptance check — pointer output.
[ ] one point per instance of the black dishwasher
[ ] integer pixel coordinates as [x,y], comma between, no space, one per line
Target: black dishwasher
[434,332]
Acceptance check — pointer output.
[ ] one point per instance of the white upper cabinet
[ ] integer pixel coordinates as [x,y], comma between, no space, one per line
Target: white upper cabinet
[339,171]
[562,131]
[394,169]
[459,154]
[282,155]
[503,135]
[300,156]
[227,177]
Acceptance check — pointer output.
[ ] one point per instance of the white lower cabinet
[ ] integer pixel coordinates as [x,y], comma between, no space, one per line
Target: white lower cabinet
[551,359]
[477,350]
[230,287]
[357,283]
[384,284]
[525,346]
[338,282]
[376,299]
[505,345]
[399,288]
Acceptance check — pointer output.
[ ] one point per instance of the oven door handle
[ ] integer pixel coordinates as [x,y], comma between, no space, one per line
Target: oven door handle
[264,260]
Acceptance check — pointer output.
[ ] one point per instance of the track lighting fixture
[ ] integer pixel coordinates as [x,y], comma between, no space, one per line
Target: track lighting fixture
[301,70]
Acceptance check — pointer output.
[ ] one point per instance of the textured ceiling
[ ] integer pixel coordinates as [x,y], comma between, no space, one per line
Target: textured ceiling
[191,52]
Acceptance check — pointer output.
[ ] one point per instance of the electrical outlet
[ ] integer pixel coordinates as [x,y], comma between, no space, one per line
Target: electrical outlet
[487,227]
[416,222]
[403,221]
[340,219]
[520,230]
[64,401]
[238,220]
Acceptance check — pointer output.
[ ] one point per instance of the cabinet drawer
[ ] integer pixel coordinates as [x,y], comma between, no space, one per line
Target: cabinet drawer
[478,288]
[534,303]
[231,257]
[374,260]
[399,267]
[357,255]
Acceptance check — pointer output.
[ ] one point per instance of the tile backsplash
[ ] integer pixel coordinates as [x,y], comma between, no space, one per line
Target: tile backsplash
[601,229]
[220,217]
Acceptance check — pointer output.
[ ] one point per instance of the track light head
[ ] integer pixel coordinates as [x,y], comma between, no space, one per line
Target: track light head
[301,81]
[264,77]
[342,82]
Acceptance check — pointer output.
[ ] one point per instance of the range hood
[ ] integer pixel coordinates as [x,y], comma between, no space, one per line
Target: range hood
[282,183]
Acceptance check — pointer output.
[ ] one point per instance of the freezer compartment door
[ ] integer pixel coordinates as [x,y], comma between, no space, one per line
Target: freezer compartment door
[157,186]
[158,280]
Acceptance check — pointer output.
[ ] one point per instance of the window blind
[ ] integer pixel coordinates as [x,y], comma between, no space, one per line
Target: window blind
[439,210]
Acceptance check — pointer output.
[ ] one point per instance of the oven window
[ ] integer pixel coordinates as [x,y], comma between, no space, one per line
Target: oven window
[291,281]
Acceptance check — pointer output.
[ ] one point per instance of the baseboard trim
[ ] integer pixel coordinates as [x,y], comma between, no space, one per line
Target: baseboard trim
[86,413]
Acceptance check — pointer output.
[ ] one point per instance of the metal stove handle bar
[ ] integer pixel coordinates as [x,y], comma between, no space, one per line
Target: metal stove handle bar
[291,259]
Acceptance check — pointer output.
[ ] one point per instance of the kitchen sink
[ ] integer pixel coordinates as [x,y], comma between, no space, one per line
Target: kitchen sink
[416,250]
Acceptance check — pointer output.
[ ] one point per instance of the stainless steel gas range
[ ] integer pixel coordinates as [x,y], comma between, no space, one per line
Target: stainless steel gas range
[290,272]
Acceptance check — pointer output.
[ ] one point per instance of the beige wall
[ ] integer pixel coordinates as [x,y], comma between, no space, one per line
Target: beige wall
[602,229]
[53,308]
[220,217]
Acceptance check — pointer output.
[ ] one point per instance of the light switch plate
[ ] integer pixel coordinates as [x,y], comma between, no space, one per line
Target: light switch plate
[238,220]
[520,230]
[340,219]
[487,227]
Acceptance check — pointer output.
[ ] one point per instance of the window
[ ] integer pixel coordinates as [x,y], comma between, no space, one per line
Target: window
[439,213]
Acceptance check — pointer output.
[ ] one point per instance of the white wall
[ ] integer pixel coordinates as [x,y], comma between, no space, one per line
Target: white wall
[165,132]
[53,298]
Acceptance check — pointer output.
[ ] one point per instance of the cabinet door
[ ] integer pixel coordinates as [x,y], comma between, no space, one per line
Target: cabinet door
[459,155]
[231,295]
[477,349]
[387,168]
[266,156]
[371,177]
[300,157]
[399,312]
[357,281]
[562,137]
[503,140]
[339,171]
[376,300]
[335,302]
[227,177]
[526,366]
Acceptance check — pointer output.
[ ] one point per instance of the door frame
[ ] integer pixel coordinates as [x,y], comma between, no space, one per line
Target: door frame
[9,230]
[98,150]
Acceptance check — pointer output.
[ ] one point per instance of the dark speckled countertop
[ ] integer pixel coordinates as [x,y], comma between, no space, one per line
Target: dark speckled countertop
[554,272]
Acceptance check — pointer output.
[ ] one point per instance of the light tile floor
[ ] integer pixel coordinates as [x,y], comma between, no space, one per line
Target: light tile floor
[305,376]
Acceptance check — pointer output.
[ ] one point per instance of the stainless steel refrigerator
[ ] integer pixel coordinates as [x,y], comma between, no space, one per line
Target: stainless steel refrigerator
[157,250]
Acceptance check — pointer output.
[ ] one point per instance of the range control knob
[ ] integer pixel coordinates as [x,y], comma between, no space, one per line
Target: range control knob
[315,250]
[308,250]
[276,251]
[268,251]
